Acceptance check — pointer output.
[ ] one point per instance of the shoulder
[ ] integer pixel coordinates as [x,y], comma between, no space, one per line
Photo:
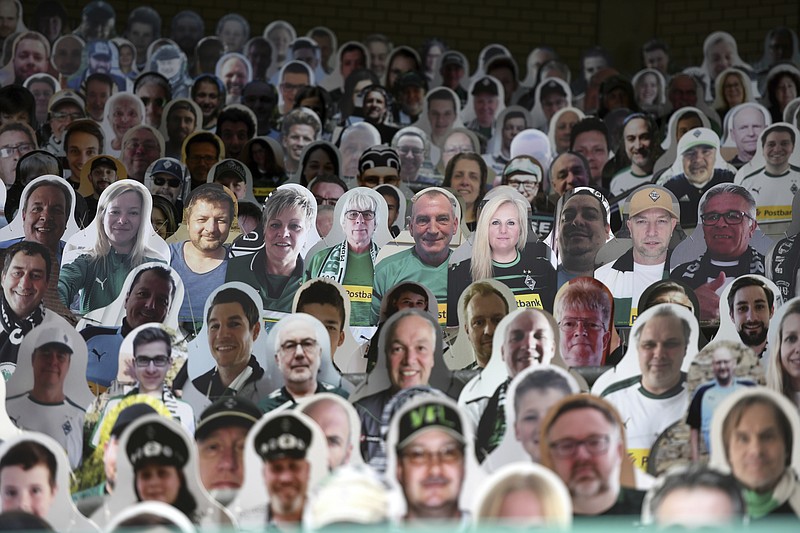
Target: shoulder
[620,386]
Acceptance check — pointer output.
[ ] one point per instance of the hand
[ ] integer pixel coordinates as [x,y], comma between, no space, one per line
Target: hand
[708,298]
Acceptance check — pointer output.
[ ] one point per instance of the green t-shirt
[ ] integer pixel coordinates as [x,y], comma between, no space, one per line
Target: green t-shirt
[358,284]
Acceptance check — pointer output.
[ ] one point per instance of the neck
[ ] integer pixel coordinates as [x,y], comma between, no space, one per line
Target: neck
[48,395]
[302,390]
[433,260]
[759,348]
[194,255]
[123,249]
[504,257]
[281,268]
[582,265]
[359,249]
[228,374]
[156,393]
[772,169]
[596,505]
[288,519]
[649,261]
[744,157]
[469,212]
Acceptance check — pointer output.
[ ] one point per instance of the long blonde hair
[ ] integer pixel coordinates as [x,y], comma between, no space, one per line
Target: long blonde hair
[777,379]
[102,245]
[481,267]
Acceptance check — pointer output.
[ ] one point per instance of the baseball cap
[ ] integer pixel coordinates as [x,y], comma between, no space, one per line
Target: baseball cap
[698,137]
[523,165]
[230,167]
[411,79]
[128,415]
[103,162]
[427,416]
[651,197]
[67,96]
[99,48]
[284,436]
[378,156]
[452,58]
[226,412]
[167,165]
[485,86]
[54,337]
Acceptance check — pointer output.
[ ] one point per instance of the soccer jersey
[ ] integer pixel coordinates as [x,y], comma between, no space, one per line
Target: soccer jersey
[627,281]
[773,193]
[626,180]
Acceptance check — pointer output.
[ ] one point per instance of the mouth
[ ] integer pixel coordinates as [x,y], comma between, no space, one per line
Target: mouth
[225,348]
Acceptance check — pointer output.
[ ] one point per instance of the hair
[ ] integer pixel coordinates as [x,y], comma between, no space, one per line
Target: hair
[481,266]
[203,137]
[730,188]
[301,116]
[85,125]
[588,124]
[102,246]
[234,17]
[584,401]
[153,77]
[184,501]
[586,294]
[30,249]
[655,44]
[166,207]
[667,311]
[162,271]
[738,410]
[29,453]
[322,292]
[22,127]
[328,178]
[102,78]
[556,513]
[38,163]
[394,295]
[773,82]
[697,476]
[15,98]
[145,15]
[234,296]
[212,193]
[721,104]
[540,380]
[208,78]
[480,288]
[360,201]
[779,128]
[777,377]
[235,114]
[288,198]
[749,281]
[359,74]
[153,334]
[325,147]
[61,185]
[398,317]
[314,91]
[451,167]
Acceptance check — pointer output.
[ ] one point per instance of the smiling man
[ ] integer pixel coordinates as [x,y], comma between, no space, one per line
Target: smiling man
[583,229]
[639,133]
[300,127]
[751,305]
[746,124]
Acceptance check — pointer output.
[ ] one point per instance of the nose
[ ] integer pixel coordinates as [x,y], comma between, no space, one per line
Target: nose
[581,451]
[26,281]
[229,460]
[489,328]
[25,503]
[581,329]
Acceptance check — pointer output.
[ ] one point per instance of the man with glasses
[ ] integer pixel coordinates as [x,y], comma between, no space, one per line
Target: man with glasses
[201,151]
[327,189]
[411,145]
[16,140]
[583,444]
[155,92]
[298,355]
[728,214]
[141,146]
[583,311]
[64,108]
[430,461]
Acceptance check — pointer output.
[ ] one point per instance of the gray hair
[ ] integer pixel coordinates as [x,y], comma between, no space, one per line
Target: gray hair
[730,188]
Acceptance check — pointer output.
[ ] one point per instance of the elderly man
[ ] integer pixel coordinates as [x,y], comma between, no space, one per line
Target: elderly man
[746,124]
[775,184]
[141,146]
[220,436]
[583,228]
[46,408]
[708,396]
[639,135]
[433,225]
[583,444]
[568,171]
[751,304]
[298,356]
[652,218]
[431,465]
[728,213]
[483,307]
[333,418]
[698,150]
[662,341]
[583,312]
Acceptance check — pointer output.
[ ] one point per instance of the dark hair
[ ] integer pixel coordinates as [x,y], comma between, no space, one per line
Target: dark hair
[84,125]
[749,281]
[395,292]
[60,184]
[154,334]
[296,67]
[699,476]
[184,501]
[386,189]
[38,163]
[779,128]
[153,77]
[655,44]
[29,453]
[236,296]
[207,78]
[322,292]
[540,380]
[98,76]
[16,98]
[145,15]
[360,74]
[234,114]
[451,167]
[588,124]
[202,137]
[168,208]
[29,248]
[315,91]
[736,413]
[313,147]
[19,126]
[772,84]
[327,178]
[585,401]
[161,271]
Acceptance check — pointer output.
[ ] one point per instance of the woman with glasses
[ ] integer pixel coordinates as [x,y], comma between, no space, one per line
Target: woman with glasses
[352,262]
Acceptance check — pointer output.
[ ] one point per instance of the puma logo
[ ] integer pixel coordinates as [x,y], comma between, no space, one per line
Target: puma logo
[98,354]
[102,283]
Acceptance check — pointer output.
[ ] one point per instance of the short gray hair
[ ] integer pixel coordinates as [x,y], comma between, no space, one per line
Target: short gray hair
[730,188]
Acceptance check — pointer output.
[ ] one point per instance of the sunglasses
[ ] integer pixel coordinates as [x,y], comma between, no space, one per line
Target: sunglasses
[173,182]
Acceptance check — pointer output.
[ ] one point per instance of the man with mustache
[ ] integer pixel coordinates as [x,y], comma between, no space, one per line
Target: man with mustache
[775,184]
[638,137]
[699,153]
[583,443]
[583,228]
[751,304]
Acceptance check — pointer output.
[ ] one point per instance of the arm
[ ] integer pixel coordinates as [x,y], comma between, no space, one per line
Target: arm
[694,443]
[72,279]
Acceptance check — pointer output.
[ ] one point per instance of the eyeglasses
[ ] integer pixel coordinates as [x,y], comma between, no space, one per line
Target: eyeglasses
[571,324]
[291,86]
[173,182]
[733,218]
[405,150]
[146,146]
[458,149]
[366,215]
[449,455]
[527,184]
[566,448]
[159,102]
[160,361]
[21,149]
[290,347]
[59,115]
[207,159]
[321,200]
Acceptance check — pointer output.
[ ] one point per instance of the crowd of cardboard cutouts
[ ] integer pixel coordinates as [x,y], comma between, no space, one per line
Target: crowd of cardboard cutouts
[254,279]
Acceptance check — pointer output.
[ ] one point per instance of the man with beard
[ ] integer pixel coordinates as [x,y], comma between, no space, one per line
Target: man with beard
[707,397]
[209,93]
[751,305]
[103,172]
[300,128]
[746,124]
[698,149]
[583,228]
[583,444]
[639,139]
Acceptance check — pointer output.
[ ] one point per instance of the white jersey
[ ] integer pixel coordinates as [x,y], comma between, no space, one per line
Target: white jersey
[645,415]
[61,421]
[773,193]
[625,180]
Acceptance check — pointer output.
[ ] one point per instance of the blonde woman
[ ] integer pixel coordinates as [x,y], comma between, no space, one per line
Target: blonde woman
[783,371]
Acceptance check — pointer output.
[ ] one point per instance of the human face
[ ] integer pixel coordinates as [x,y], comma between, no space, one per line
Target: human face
[400,65]
[441,114]
[141,149]
[698,163]
[593,146]
[678,509]
[564,126]
[42,91]
[331,318]
[232,182]
[583,227]
[433,226]
[151,377]
[529,340]
[232,35]
[8,165]
[148,300]
[285,234]
[125,58]
[506,78]
[552,103]
[359,232]
[411,150]
[99,63]
[723,363]
[154,97]
[483,313]
[44,220]
[757,449]
[568,173]
[683,92]
[504,231]
[662,347]
[485,108]
[234,75]
[733,90]
[102,176]
[434,486]
[260,58]
[352,60]
[30,58]
[287,482]
[583,344]
[647,89]
[651,231]
[467,180]
[325,44]
[221,458]
[25,283]
[97,94]
[687,124]
[777,149]
[67,57]
[790,347]
[300,136]
[657,59]
[374,106]
[50,367]
[531,408]
[82,147]
[727,242]
[26,490]
[511,128]
[785,92]
[751,313]
[378,54]
[63,117]
[318,161]
[299,365]
[587,476]
[200,157]
[156,482]
[180,123]
[122,219]
[411,300]
[141,35]
[8,18]
[637,144]
[455,143]
[234,137]
[209,225]
[334,422]
[592,65]
[434,53]
[720,57]
[230,337]
[327,193]
[159,222]
[451,75]
[392,209]
[207,97]
[411,352]
[411,100]
[166,190]
[124,116]
[280,38]
[291,84]
[748,124]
